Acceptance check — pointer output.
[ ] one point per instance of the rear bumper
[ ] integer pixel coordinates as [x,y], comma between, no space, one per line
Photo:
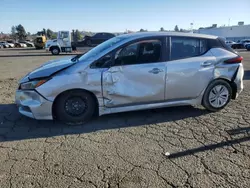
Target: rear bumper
[239,80]
[33,105]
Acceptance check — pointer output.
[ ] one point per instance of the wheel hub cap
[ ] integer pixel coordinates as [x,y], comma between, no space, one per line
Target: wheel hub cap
[218,96]
[75,106]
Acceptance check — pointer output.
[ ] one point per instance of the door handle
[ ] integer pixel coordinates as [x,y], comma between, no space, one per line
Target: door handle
[155,71]
[206,63]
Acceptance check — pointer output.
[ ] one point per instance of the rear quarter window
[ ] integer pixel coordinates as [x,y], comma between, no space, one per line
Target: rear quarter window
[222,44]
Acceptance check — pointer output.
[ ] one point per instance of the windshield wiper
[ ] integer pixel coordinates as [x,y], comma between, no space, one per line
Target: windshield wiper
[76,57]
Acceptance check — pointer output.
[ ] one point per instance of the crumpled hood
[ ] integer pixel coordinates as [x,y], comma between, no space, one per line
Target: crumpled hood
[49,68]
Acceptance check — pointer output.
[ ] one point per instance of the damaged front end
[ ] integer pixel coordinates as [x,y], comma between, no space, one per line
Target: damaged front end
[32,103]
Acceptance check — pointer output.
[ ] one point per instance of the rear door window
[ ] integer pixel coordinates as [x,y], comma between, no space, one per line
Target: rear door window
[185,47]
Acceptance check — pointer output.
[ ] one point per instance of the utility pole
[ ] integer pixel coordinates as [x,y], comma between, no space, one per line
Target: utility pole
[191,26]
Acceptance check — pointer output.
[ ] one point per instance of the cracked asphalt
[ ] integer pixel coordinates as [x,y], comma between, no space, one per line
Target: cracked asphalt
[124,150]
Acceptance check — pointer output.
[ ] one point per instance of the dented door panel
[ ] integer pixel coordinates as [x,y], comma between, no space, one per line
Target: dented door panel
[133,84]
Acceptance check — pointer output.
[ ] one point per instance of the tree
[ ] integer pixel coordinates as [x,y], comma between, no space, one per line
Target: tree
[20,32]
[181,30]
[78,35]
[49,33]
[54,36]
[13,32]
[143,30]
[176,28]
[44,31]
[162,29]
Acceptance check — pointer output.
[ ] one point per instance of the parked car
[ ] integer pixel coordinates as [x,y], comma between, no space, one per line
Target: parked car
[237,45]
[5,44]
[96,39]
[248,47]
[24,45]
[18,45]
[246,44]
[11,45]
[134,72]
[241,44]
[28,44]
[230,43]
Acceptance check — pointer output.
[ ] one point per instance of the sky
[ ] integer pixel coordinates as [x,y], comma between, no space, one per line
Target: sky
[117,15]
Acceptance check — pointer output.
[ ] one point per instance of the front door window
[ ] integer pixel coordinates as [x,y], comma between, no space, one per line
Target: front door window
[147,51]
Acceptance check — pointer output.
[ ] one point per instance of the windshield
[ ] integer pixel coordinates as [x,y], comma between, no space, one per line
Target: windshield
[102,47]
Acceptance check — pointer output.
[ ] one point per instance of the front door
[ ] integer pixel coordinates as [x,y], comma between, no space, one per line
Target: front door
[190,68]
[137,75]
[64,39]
[97,38]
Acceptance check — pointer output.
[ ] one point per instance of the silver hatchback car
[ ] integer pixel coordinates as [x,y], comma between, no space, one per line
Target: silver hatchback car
[133,72]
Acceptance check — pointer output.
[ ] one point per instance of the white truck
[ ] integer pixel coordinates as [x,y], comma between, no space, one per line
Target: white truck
[61,44]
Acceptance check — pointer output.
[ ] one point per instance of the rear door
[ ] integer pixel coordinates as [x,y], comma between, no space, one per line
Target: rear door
[137,75]
[190,68]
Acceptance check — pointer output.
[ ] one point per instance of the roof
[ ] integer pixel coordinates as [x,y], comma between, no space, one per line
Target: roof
[181,34]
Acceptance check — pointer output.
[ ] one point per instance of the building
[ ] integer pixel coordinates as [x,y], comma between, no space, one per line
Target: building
[234,33]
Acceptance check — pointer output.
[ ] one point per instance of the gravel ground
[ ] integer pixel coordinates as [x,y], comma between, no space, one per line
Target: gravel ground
[123,150]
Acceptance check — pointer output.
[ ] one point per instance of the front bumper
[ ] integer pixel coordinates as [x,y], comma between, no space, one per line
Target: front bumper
[30,103]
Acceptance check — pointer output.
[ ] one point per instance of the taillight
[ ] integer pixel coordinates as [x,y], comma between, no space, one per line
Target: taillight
[234,60]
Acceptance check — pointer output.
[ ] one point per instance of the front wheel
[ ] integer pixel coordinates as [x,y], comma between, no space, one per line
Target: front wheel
[89,43]
[75,107]
[55,51]
[217,95]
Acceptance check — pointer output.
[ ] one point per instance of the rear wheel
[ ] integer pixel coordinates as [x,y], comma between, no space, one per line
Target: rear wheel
[75,107]
[217,95]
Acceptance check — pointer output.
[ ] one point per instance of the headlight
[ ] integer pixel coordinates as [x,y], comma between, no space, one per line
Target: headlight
[33,84]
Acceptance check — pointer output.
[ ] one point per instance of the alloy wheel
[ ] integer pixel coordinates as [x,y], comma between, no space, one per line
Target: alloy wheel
[218,96]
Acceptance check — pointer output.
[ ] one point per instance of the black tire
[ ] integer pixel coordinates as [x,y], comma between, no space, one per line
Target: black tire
[206,103]
[89,43]
[55,50]
[64,107]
